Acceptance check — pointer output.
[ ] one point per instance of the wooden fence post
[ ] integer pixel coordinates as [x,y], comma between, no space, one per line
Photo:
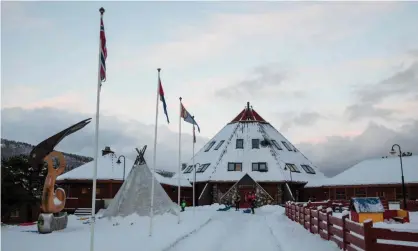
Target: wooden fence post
[344,218]
[310,220]
[328,225]
[303,215]
[368,241]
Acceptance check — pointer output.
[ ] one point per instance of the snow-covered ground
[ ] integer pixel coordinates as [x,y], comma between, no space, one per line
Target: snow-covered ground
[268,229]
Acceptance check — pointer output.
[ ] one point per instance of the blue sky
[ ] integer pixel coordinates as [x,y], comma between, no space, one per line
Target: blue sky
[324,50]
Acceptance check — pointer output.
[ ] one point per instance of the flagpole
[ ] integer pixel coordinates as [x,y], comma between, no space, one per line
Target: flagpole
[179,169]
[96,145]
[155,154]
[194,167]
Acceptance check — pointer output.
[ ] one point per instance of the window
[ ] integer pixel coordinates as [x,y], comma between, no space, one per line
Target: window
[255,143]
[84,190]
[234,166]
[308,169]
[97,190]
[240,144]
[360,192]
[260,167]
[292,167]
[340,194]
[188,169]
[202,168]
[219,145]
[210,146]
[287,146]
[277,145]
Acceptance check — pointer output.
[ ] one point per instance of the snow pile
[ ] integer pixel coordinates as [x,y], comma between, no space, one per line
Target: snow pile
[118,233]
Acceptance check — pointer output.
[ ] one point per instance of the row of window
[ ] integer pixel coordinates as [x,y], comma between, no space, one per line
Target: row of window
[201,168]
[256,167]
[255,143]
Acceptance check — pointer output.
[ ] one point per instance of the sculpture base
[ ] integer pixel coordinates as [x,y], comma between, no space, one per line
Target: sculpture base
[48,223]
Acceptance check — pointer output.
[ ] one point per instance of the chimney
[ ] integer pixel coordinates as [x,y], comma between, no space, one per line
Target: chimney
[248,105]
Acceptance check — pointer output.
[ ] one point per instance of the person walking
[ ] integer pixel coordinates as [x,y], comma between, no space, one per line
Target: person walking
[237,199]
[252,201]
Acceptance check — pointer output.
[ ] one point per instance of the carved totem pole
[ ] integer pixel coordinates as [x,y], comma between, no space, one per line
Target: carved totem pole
[53,201]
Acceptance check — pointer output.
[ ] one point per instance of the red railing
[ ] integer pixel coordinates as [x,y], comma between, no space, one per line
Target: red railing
[347,234]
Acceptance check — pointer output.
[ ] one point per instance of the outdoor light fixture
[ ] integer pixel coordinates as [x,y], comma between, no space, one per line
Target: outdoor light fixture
[393,152]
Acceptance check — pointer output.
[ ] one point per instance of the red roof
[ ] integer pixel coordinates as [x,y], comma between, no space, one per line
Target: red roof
[248,115]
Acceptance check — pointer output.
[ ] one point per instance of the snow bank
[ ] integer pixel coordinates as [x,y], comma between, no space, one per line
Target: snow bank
[127,233]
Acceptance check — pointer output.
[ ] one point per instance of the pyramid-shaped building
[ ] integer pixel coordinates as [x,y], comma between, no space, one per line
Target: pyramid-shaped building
[249,154]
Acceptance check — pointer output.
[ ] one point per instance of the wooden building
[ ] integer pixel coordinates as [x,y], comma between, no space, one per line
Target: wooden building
[379,177]
[249,154]
[78,184]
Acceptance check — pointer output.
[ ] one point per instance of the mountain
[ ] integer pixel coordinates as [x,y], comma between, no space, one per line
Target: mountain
[11,148]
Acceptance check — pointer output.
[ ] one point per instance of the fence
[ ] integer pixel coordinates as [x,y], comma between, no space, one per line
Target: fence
[347,234]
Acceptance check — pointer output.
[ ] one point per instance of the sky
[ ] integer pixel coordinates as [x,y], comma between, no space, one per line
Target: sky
[338,79]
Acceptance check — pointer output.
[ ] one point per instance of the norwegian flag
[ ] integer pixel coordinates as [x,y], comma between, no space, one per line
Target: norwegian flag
[103,51]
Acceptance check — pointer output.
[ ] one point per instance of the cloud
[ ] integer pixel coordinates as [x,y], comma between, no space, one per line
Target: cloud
[367,110]
[305,118]
[400,86]
[337,153]
[317,23]
[14,15]
[262,78]
[34,125]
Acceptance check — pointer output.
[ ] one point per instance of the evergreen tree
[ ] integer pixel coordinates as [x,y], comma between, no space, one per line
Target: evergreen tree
[21,185]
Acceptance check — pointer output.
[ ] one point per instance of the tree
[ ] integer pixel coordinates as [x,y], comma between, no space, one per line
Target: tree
[21,185]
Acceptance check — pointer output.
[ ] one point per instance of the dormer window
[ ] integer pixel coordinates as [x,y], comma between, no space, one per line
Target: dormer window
[240,144]
[255,143]
[234,167]
[259,167]
[188,169]
[219,144]
[292,168]
[276,144]
[210,146]
[287,146]
[308,169]
[202,168]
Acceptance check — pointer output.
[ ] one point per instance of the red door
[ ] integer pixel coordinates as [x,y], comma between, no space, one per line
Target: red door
[243,192]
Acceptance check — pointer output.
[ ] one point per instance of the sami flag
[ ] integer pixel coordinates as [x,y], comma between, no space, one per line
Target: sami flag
[161,92]
[187,117]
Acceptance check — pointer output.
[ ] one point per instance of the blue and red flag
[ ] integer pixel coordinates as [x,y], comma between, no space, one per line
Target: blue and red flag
[188,117]
[161,92]
[103,51]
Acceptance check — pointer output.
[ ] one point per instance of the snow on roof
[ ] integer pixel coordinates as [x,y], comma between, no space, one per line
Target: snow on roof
[107,169]
[222,150]
[375,171]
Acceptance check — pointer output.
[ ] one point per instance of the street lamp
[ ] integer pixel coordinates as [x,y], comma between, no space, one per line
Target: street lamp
[107,151]
[393,152]
[124,162]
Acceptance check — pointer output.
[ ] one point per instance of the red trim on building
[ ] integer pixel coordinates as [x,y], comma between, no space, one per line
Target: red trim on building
[248,115]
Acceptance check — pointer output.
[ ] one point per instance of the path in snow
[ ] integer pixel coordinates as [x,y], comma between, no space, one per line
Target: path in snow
[229,231]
